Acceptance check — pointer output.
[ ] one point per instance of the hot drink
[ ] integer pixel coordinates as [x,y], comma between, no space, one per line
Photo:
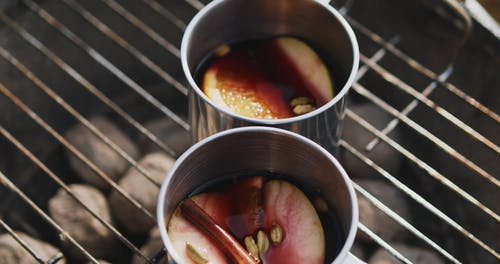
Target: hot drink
[257,219]
[273,78]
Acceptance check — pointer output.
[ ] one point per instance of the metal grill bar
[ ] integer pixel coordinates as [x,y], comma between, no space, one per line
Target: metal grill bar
[62,140]
[373,98]
[61,101]
[378,55]
[166,14]
[4,180]
[358,88]
[422,97]
[383,243]
[410,107]
[21,242]
[431,172]
[441,144]
[142,26]
[195,4]
[412,194]
[61,183]
[422,69]
[393,215]
[115,71]
[424,132]
[391,78]
[127,46]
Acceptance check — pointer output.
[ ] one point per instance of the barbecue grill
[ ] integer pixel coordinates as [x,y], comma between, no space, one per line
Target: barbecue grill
[427,64]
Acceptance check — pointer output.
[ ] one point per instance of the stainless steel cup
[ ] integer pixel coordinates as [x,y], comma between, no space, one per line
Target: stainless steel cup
[262,149]
[228,21]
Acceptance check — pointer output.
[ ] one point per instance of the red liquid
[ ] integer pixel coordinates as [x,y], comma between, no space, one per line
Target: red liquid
[257,79]
[242,212]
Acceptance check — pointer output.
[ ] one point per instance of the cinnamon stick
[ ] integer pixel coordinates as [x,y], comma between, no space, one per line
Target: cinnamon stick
[225,241]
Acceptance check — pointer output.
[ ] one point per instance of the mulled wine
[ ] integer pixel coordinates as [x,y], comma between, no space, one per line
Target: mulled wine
[255,219]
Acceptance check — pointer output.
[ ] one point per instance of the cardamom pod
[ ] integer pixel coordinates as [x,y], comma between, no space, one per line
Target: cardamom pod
[262,242]
[276,234]
[222,50]
[251,247]
[195,255]
[302,100]
[303,109]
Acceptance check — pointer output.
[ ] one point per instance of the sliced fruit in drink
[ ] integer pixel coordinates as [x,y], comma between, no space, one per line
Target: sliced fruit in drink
[182,232]
[260,79]
[296,230]
[236,84]
[284,228]
[308,66]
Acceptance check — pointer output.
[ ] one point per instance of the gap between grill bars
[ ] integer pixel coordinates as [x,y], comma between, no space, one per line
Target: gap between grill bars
[370,64]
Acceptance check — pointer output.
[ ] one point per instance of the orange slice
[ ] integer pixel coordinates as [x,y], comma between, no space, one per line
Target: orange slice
[236,84]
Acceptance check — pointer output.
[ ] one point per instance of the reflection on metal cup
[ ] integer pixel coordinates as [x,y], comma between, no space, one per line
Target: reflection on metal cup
[230,21]
[262,149]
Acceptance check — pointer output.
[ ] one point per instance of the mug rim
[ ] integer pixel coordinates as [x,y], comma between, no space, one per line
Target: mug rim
[353,203]
[341,94]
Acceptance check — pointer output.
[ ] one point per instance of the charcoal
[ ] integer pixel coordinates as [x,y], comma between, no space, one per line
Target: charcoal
[152,247]
[169,133]
[80,224]
[383,155]
[140,188]
[416,255]
[11,252]
[374,218]
[358,250]
[98,152]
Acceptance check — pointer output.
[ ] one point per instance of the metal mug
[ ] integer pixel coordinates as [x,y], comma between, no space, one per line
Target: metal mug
[229,21]
[262,149]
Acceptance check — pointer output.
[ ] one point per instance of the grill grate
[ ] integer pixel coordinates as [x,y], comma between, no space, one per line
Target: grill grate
[370,65]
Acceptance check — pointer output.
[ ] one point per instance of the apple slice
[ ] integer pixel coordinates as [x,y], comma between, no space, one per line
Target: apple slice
[303,237]
[182,232]
[236,83]
[308,66]
[260,78]
[251,206]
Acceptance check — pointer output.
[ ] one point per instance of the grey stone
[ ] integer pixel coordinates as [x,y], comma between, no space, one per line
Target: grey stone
[140,188]
[11,252]
[169,133]
[100,262]
[152,247]
[416,255]
[98,152]
[374,218]
[80,224]
[358,250]
[383,155]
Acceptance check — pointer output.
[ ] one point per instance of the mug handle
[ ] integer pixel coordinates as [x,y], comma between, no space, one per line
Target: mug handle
[351,259]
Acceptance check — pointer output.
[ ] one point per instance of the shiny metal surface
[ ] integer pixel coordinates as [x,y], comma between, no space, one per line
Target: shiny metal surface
[260,150]
[334,39]
[473,241]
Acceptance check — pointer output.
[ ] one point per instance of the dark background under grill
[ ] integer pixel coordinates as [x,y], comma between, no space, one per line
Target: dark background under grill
[428,31]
